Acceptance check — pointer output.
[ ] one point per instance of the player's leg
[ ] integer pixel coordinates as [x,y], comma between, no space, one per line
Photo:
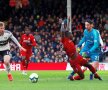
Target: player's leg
[95,63]
[78,59]
[24,65]
[23,55]
[28,56]
[7,64]
[73,73]
[26,60]
[77,69]
[93,70]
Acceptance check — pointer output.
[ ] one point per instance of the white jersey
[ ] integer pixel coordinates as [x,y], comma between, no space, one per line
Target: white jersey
[4,40]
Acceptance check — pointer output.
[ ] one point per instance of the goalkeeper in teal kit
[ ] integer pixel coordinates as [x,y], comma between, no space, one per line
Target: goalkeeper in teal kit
[91,48]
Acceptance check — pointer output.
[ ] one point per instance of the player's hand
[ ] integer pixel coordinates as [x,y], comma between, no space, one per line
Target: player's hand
[78,49]
[85,54]
[23,49]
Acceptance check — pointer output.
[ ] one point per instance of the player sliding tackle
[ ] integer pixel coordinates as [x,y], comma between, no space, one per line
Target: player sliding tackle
[92,46]
[5,36]
[75,59]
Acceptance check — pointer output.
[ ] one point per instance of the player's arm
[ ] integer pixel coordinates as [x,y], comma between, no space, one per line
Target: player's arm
[100,39]
[62,26]
[16,42]
[68,23]
[96,41]
[62,30]
[33,41]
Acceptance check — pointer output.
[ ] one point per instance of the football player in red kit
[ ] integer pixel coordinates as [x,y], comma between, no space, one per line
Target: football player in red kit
[75,59]
[27,41]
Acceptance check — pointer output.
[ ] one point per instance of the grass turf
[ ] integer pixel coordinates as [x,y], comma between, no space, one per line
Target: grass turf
[52,80]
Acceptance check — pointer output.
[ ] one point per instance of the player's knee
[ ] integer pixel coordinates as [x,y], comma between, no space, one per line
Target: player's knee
[6,62]
[88,65]
[6,59]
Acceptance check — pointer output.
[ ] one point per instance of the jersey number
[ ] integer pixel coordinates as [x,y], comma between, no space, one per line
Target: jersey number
[96,57]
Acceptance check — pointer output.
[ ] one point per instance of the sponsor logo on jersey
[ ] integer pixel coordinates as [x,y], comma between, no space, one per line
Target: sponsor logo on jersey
[5,37]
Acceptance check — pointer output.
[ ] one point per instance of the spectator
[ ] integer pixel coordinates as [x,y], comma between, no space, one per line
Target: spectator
[106,25]
[17,58]
[33,59]
[46,59]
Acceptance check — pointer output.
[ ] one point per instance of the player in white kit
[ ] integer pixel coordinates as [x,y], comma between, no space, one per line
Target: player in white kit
[5,35]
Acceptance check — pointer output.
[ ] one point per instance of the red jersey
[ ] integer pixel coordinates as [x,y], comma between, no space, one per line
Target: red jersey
[71,50]
[27,38]
[78,60]
[68,46]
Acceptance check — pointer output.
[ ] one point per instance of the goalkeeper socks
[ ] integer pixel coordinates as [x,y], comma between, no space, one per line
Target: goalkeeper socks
[91,76]
[71,74]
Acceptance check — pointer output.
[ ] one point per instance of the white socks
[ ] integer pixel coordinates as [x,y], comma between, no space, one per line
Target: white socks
[7,68]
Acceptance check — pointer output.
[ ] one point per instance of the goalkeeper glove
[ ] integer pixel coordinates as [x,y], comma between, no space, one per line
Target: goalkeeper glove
[78,49]
[85,54]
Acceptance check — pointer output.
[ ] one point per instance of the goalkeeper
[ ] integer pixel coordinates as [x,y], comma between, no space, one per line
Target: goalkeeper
[91,47]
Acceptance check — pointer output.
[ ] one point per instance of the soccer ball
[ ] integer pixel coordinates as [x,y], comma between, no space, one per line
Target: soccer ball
[34,78]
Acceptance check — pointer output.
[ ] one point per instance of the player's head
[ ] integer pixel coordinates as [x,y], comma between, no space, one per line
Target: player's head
[68,34]
[2,27]
[89,24]
[27,30]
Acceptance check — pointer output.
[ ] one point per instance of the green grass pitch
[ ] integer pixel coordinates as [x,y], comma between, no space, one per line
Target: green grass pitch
[52,80]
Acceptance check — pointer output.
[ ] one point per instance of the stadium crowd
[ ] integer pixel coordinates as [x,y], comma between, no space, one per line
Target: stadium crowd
[44,19]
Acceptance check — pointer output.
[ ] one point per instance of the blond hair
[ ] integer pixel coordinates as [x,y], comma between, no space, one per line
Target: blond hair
[1,24]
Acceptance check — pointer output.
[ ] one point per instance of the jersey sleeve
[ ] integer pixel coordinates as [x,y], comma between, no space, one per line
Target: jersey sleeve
[14,40]
[96,41]
[33,41]
[100,39]
[82,40]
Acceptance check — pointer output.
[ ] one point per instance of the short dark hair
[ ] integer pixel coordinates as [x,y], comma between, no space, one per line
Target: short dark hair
[89,21]
[67,33]
[27,28]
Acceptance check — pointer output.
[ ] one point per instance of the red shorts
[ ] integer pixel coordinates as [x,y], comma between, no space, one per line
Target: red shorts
[79,60]
[27,54]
